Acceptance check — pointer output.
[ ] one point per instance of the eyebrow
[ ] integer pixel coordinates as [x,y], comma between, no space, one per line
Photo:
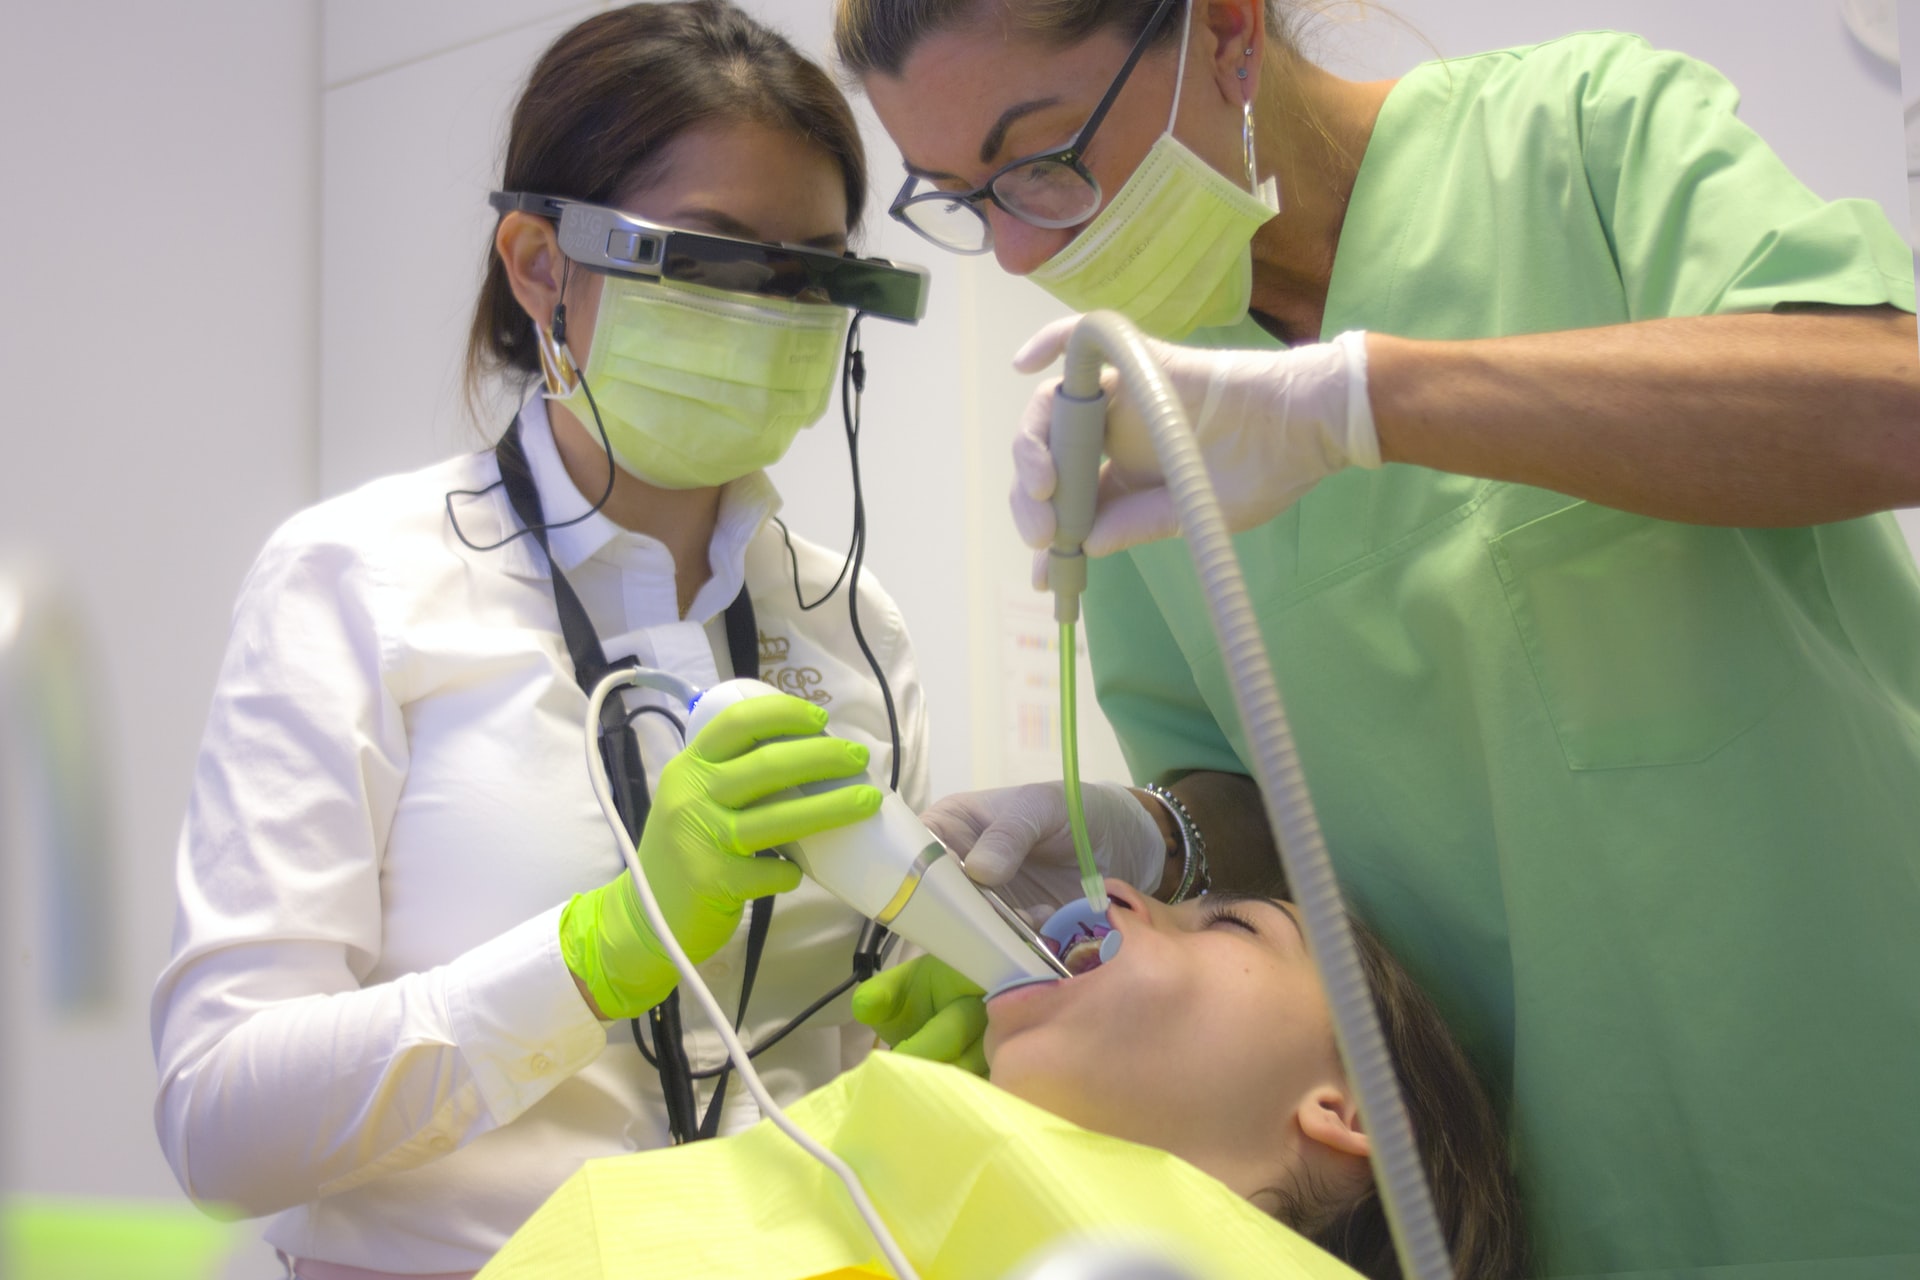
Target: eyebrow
[991,144]
[997,136]
[727,225]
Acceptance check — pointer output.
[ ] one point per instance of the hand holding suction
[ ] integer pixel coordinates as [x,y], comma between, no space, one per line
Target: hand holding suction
[926,1009]
[712,811]
[1076,428]
[1016,839]
[1270,425]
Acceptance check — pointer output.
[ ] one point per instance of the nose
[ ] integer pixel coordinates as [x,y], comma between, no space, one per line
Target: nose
[1019,247]
[1133,910]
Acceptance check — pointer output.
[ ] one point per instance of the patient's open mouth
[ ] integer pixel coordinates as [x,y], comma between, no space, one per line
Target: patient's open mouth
[1081,937]
[1082,952]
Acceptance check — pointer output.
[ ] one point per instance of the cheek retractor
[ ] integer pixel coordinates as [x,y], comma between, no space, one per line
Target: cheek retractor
[1079,934]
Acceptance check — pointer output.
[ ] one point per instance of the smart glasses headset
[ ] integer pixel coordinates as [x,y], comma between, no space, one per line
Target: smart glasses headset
[613,242]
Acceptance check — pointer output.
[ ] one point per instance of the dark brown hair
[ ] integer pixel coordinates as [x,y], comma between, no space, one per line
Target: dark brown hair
[610,95]
[880,35]
[1462,1143]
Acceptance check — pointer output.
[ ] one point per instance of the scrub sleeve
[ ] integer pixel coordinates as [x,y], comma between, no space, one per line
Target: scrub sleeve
[1637,802]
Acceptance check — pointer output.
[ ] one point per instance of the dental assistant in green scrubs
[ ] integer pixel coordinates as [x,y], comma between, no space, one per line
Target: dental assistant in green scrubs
[1560,423]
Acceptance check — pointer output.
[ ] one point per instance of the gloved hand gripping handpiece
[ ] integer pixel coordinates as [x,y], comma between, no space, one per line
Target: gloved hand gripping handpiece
[1079,427]
[718,801]
[663,932]
[892,870]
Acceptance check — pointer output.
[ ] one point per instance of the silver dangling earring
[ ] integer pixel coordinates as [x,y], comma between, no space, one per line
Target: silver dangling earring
[1246,123]
[1268,191]
[1246,141]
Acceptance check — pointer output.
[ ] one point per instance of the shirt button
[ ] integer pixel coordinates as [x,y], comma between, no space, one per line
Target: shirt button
[440,1142]
[541,1064]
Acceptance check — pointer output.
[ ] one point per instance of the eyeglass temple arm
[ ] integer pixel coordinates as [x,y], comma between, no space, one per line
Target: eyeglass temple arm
[1120,80]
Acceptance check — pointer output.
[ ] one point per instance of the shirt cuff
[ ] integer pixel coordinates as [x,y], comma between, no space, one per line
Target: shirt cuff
[518,1018]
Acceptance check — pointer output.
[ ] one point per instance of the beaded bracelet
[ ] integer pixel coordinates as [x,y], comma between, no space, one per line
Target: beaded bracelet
[1194,878]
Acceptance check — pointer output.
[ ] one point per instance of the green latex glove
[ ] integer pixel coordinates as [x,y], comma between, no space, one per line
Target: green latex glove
[926,1009]
[710,813]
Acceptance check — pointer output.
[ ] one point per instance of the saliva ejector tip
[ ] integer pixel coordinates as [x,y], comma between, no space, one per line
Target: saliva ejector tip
[1096,888]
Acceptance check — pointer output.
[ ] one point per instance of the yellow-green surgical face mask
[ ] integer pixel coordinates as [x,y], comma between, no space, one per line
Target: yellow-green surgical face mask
[696,387]
[1173,249]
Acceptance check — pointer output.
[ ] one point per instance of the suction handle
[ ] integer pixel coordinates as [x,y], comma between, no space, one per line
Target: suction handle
[1079,429]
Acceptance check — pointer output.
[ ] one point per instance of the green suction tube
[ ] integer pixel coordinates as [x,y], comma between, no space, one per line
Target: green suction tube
[1090,879]
[1079,427]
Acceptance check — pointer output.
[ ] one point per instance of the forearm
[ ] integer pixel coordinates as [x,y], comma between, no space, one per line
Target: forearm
[1241,854]
[1749,420]
[302,1096]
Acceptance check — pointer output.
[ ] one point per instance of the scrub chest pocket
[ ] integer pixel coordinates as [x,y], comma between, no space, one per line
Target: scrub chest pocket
[1652,642]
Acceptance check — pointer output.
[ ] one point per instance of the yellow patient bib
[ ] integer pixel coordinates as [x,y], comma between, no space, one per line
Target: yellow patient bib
[972,1181]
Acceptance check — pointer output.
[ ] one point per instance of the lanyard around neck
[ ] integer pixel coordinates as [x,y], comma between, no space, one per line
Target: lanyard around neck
[620,748]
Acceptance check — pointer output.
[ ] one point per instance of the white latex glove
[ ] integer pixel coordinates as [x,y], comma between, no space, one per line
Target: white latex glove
[1016,839]
[1270,425]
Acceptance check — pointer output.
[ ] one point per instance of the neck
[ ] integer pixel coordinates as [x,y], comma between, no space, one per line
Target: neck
[680,519]
[1312,128]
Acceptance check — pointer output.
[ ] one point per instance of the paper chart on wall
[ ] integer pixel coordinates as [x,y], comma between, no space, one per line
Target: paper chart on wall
[1030,698]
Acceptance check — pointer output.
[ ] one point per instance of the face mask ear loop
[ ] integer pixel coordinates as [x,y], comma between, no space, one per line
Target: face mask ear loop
[1180,73]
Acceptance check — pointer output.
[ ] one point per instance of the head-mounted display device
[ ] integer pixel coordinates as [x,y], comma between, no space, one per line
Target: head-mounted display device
[611,241]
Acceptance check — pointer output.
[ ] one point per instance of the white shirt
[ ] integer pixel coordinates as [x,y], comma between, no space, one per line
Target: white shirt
[367,1027]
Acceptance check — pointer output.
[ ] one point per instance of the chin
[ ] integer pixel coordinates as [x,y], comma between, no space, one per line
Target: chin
[1053,1078]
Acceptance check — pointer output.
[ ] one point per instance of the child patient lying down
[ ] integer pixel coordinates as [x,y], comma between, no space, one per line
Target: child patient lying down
[1187,1093]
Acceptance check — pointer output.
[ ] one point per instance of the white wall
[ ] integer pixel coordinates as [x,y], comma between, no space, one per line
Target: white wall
[160,213]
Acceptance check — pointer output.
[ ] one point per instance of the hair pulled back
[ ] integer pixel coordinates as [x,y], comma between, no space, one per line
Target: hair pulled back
[880,35]
[608,97]
[1461,1141]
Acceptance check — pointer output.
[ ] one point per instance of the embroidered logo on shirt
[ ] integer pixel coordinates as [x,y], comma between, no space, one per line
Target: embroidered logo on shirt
[801,682]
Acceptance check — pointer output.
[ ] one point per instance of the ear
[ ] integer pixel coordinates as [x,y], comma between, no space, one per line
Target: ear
[529,249]
[1331,1118]
[1234,35]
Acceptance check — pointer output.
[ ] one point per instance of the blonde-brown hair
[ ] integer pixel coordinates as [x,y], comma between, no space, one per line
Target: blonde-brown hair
[1461,1140]
[880,35]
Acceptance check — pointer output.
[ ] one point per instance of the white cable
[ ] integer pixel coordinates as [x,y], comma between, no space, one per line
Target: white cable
[690,976]
[1303,852]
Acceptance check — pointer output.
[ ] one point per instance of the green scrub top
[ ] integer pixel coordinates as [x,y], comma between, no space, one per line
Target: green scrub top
[1638,802]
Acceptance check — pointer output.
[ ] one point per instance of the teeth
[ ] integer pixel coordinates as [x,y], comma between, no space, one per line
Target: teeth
[1083,953]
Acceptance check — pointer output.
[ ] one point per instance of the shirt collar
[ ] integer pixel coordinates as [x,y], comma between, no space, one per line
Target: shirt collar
[560,500]
[745,505]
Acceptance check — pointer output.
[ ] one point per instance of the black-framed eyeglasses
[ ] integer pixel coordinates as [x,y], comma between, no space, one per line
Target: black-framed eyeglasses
[1052,189]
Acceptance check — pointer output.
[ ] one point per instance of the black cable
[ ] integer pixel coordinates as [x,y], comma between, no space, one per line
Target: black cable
[855,375]
[559,336]
[663,713]
[853,384]
[793,1024]
[641,1044]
